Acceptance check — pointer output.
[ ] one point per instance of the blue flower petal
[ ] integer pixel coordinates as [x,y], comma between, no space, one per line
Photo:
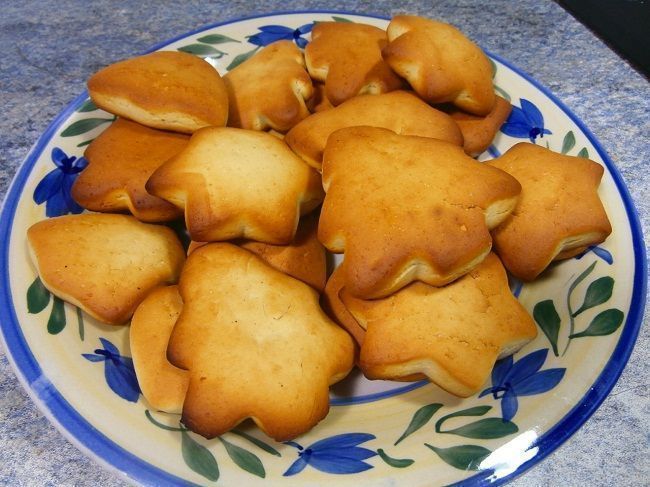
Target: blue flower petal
[109,347]
[352,453]
[122,380]
[603,254]
[501,370]
[487,391]
[266,38]
[527,366]
[48,186]
[338,465]
[56,205]
[296,467]
[509,405]
[73,206]
[59,157]
[540,382]
[276,29]
[93,357]
[532,113]
[305,29]
[301,43]
[518,117]
[79,165]
[519,130]
[345,440]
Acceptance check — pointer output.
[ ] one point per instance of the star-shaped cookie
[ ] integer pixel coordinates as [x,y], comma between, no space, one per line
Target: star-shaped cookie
[452,334]
[347,57]
[440,63]
[256,344]
[405,208]
[120,161]
[269,89]
[559,213]
[236,183]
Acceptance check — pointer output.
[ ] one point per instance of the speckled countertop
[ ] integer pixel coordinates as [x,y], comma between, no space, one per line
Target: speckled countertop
[51,47]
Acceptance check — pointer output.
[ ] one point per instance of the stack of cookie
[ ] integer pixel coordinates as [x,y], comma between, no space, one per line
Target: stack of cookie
[380,127]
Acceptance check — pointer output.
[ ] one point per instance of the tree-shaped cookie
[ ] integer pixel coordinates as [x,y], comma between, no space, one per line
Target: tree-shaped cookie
[256,344]
[120,161]
[559,213]
[405,208]
[452,334]
[347,57]
[235,183]
[440,63]
[269,89]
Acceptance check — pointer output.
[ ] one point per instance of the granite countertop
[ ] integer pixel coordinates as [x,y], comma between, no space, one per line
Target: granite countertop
[51,48]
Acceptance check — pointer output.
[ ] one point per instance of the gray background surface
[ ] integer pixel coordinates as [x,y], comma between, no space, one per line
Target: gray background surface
[51,47]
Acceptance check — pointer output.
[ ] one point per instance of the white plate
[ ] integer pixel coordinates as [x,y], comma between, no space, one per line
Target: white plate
[78,371]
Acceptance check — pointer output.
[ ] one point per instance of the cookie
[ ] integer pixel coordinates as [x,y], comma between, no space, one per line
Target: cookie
[235,183]
[270,89]
[335,308]
[405,208]
[452,335]
[478,132]
[559,213]
[120,161]
[167,90]
[440,63]
[347,57]
[319,102]
[256,344]
[163,385]
[399,111]
[104,264]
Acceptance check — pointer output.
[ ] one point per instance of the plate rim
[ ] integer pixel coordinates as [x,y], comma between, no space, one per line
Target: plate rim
[116,459]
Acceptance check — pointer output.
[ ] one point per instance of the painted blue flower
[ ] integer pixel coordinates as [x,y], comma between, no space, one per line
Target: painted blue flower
[522,378]
[271,33]
[338,454]
[599,251]
[56,185]
[118,370]
[526,121]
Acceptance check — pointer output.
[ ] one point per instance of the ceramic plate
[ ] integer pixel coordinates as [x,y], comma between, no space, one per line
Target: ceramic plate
[79,372]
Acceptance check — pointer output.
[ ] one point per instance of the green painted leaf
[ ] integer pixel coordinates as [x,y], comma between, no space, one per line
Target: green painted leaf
[38,296]
[395,462]
[202,50]
[84,143]
[420,418]
[485,429]
[569,142]
[82,126]
[493,67]
[216,39]
[259,443]
[584,153]
[597,293]
[244,459]
[241,58]
[548,320]
[604,323]
[463,457]
[147,413]
[199,458]
[475,411]
[88,106]
[502,93]
[80,323]
[340,19]
[56,323]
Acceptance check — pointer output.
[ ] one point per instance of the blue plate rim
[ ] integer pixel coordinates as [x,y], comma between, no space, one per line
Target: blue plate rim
[110,455]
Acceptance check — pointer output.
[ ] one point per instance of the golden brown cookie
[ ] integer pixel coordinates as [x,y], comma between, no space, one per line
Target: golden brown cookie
[452,334]
[478,132]
[399,111]
[256,344]
[347,57]
[167,90]
[235,183]
[163,385]
[269,89]
[104,263]
[319,102]
[559,213]
[406,208]
[440,63]
[120,161]
[335,308]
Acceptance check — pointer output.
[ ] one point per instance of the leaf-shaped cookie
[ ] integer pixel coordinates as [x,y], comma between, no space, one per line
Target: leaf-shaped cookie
[407,208]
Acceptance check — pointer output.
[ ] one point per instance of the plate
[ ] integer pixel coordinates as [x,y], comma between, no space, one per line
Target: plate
[79,371]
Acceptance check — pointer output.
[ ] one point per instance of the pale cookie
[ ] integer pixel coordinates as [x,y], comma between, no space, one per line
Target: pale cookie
[452,335]
[405,208]
[104,263]
[335,308]
[270,89]
[399,111]
[256,344]
[347,57]
[120,161]
[235,183]
[167,90]
[559,213]
[440,63]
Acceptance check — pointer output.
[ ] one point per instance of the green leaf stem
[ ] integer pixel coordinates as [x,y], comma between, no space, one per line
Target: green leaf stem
[420,418]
